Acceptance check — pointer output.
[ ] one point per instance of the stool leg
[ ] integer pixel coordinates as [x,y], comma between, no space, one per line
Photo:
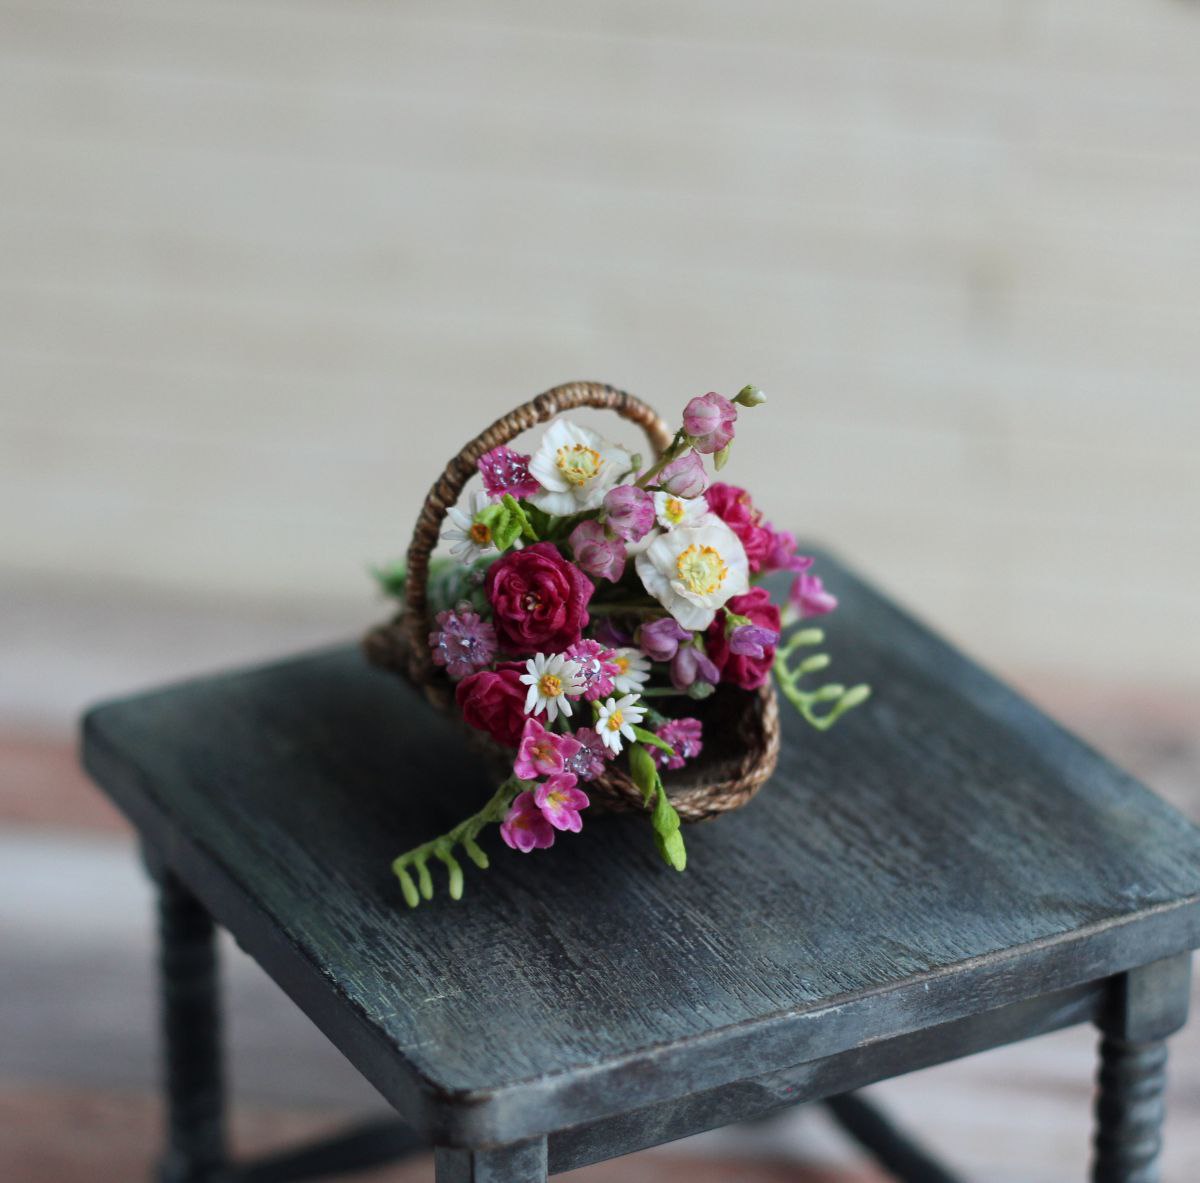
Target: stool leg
[523,1162]
[190,1017]
[1146,1006]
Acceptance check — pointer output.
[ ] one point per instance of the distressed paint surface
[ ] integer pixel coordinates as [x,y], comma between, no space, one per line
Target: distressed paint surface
[946,850]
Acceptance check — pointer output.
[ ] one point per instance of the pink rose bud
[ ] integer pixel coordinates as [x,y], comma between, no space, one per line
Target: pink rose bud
[709,420]
[630,512]
[809,597]
[660,639]
[597,553]
[684,477]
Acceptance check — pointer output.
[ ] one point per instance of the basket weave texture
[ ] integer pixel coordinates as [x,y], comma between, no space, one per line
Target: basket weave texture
[741,728]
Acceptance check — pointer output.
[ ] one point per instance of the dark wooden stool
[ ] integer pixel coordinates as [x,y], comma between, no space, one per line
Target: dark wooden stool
[946,872]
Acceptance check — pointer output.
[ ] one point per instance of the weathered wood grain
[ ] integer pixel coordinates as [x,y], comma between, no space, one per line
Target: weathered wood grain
[945,852]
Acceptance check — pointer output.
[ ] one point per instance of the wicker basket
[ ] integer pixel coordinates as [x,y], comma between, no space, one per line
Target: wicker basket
[741,729]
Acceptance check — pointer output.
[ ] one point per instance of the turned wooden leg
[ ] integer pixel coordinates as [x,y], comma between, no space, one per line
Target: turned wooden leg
[524,1162]
[1146,1006]
[190,1015]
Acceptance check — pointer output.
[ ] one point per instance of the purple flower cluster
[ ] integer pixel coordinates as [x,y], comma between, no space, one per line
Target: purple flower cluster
[463,641]
[684,735]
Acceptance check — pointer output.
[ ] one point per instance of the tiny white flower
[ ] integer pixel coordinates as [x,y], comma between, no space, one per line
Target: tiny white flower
[618,717]
[693,570]
[550,680]
[673,511]
[575,467]
[633,670]
[470,538]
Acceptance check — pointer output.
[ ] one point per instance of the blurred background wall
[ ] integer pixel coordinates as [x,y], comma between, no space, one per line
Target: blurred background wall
[264,267]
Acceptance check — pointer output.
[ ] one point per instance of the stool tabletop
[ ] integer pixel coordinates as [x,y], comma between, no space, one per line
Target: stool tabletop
[946,850]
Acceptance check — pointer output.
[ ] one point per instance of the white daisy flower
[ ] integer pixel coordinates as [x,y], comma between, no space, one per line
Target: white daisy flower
[470,538]
[692,570]
[550,680]
[575,468]
[673,511]
[633,670]
[618,717]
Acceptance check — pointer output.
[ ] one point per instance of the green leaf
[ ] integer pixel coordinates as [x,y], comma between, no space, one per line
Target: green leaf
[672,849]
[721,458]
[665,819]
[644,773]
[515,508]
[649,737]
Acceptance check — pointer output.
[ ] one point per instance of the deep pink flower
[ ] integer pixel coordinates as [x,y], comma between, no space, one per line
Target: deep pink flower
[525,827]
[809,596]
[597,666]
[462,641]
[752,640]
[597,552]
[685,476]
[541,752]
[735,508]
[709,420]
[783,556]
[630,512]
[660,639]
[506,471]
[494,701]
[748,672]
[690,665]
[684,736]
[589,761]
[560,802]
[539,600]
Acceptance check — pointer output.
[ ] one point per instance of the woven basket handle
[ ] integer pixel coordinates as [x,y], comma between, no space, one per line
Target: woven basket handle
[449,486]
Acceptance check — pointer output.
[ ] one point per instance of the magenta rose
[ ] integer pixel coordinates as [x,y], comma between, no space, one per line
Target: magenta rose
[744,669]
[734,507]
[539,600]
[494,701]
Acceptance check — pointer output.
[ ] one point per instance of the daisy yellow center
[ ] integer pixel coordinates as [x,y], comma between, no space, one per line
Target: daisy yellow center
[550,686]
[480,534]
[578,463]
[675,510]
[615,721]
[701,569]
[622,663]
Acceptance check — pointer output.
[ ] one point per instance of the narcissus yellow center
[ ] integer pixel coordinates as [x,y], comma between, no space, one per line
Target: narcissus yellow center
[578,463]
[480,534]
[674,510]
[701,569]
[550,686]
[615,721]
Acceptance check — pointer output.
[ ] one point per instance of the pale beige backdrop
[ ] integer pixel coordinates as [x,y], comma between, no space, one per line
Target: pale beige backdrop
[264,267]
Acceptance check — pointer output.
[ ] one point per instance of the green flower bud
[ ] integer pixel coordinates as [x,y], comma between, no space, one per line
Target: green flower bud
[750,396]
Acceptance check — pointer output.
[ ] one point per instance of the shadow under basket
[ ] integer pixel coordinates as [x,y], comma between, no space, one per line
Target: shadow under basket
[741,728]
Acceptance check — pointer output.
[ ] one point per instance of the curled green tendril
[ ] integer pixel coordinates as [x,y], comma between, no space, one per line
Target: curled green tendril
[416,861]
[790,674]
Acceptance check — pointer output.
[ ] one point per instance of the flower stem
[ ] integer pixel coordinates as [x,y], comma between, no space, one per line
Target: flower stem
[677,447]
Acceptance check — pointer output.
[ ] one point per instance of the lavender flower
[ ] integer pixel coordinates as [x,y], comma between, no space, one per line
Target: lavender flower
[596,553]
[660,639]
[692,664]
[684,736]
[463,642]
[752,640]
[630,512]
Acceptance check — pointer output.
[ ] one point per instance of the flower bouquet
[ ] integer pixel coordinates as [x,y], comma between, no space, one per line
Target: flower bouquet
[601,627]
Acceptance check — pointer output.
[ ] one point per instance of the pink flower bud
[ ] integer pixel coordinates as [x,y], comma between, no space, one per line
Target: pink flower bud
[596,553]
[809,597]
[709,420]
[684,477]
[630,512]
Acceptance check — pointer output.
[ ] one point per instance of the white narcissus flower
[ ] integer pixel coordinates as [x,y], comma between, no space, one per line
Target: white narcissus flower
[550,681]
[673,511]
[471,538]
[575,468]
[618,717]
[693,570]
[633,670]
